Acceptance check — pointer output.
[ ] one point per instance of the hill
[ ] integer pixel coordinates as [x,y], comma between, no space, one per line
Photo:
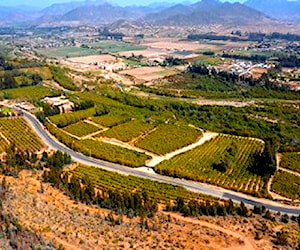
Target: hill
[207,12]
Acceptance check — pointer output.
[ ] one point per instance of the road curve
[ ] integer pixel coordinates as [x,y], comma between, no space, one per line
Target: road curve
[197,187]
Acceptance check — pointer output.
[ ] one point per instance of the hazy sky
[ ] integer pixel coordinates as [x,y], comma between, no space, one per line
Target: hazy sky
[43,3]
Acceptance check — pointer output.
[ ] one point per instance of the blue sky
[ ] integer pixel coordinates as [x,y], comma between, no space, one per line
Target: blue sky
[44,3]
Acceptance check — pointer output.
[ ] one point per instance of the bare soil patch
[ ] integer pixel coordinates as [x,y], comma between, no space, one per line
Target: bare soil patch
[149,73]
[92,59]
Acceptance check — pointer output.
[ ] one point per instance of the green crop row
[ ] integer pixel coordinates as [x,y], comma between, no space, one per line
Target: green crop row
[63,120]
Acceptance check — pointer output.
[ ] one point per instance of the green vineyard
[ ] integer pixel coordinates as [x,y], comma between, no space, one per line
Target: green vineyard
[100,150]
[168,137]
[235,155]
[130,130]
[286,184]
[110,180]
[81,129]
[291,161]
[18,132]
[111,119]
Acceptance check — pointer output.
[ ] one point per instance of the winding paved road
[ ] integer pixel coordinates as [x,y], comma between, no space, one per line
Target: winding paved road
[202,188]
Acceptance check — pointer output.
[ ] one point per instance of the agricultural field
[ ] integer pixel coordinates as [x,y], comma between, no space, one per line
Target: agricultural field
[160,191]
[223,161]
[112,153]
[111,119]
[61,77]
[67,52]
[291,161]
[18,132]
[115,47]
[81,129]
[169,137]
[286,184]
[63,120]
[93,59]
[149,73]
[44,72]
[129,130]
[29,93]
[100,150]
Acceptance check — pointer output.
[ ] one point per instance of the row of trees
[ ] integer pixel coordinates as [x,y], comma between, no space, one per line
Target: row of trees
[198,208]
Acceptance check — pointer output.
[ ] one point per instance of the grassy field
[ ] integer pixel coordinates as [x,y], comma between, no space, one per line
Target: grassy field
[129,130]
[116,46]
[160,191]
[29,93]
[81,129]
[111,119]
[200,164]
[44,72]
[291,161]
[286,184]
[18,132]
[168,137]
[67,52]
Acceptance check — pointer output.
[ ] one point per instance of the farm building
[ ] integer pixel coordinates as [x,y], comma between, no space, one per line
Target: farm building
[61,102]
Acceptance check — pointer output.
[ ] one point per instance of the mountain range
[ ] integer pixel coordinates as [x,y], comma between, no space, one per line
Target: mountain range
[279,9]
[207,12]
[162,13]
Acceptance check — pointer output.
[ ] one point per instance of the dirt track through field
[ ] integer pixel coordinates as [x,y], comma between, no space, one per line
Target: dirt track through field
[248,243]
[206,137]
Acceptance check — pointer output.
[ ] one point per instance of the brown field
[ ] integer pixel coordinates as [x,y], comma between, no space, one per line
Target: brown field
[149,73]
[92,59]
[171,44]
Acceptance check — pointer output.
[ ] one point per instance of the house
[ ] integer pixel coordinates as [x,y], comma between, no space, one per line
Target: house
[60,102]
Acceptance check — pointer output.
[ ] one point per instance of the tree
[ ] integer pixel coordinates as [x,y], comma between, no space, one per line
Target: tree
[282,238]
[266,162]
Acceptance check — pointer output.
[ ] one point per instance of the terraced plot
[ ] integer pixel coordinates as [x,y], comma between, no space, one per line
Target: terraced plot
[168,137]
[203,164]
[110,180]
[291,161]
[130,130]
[18,132]
[286,184]
[81,129]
